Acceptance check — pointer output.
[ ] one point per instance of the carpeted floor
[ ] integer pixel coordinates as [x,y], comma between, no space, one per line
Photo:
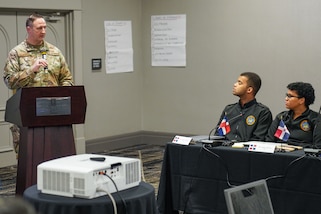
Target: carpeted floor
[8,181]
[151,156]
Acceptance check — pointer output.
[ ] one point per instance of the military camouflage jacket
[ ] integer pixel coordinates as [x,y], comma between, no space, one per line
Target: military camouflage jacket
[17,71]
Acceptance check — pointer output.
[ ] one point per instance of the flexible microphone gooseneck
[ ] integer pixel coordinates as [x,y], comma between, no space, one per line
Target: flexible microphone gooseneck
[229,120]
[209,135]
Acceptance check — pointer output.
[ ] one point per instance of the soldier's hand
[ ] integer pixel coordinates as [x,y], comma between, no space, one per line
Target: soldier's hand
[38,64]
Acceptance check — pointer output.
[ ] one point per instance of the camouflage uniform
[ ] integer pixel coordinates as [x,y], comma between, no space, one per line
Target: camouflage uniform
[18,74]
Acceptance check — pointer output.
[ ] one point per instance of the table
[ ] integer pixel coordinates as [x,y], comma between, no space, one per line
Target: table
[140,199]
[193,178]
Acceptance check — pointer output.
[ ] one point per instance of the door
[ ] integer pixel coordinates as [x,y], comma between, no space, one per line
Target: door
[12,32]
[8,38]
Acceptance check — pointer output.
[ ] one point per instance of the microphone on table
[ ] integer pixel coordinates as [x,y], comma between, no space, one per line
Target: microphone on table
[216,127]
[229,120]
[209,135]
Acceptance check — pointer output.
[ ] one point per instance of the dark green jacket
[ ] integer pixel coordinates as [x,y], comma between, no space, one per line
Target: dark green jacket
[248,123]
[304,130]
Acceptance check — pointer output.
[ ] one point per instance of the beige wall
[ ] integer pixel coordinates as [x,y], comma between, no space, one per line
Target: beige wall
[43,4]
[280,40]
[114,100]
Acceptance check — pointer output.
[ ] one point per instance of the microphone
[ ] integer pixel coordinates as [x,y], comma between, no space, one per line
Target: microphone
[44,56]
[229,120]
[235,117]
[44,81]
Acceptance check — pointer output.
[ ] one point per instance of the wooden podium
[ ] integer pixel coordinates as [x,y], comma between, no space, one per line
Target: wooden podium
[45,116]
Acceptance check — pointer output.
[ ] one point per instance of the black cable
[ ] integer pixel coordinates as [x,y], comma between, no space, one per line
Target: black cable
[268,178]
[287,169]
[223,162]
[227,171]
[192,181]
[117,191]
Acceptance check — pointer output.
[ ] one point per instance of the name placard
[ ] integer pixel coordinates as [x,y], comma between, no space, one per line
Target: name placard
[182,140]
[262,147]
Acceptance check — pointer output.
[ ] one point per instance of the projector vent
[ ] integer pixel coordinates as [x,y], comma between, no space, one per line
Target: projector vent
[79,186]
[56,181]
[132,172]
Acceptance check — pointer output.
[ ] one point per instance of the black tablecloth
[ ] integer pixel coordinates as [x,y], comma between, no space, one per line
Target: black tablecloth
[193,179]
[139,199]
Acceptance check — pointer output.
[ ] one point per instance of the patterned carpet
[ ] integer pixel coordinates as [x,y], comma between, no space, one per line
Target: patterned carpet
[8,181]
[151,156]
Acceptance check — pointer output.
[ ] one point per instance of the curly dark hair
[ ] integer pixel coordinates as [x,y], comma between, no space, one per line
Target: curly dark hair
[303,90]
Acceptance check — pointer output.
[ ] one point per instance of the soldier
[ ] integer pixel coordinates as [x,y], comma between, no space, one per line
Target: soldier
[35,63]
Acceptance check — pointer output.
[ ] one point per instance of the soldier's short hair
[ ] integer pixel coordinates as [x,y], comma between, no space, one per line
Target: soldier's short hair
[32,18]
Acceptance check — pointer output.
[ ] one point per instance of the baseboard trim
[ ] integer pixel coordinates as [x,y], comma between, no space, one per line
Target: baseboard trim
[129,139]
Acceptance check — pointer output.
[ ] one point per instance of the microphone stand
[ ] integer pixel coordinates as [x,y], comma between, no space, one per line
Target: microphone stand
[229,120]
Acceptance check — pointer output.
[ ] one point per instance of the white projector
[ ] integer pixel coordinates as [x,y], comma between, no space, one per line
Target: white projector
[85,175]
